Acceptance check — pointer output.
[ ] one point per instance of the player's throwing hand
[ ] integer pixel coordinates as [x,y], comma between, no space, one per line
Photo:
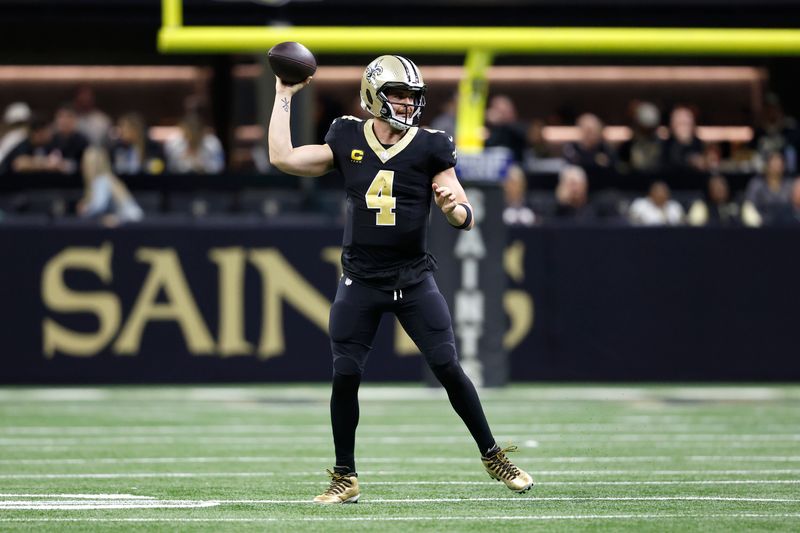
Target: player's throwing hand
[281,87]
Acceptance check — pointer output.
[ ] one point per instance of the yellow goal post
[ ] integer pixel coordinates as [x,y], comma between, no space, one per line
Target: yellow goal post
[478,44]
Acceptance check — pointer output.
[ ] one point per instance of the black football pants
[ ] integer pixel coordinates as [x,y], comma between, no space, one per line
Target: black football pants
[423,313]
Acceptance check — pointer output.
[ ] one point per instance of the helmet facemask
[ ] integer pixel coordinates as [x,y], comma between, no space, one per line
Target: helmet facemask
[413,114]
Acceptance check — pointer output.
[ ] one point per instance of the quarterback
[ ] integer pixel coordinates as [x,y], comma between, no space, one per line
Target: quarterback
[391,169]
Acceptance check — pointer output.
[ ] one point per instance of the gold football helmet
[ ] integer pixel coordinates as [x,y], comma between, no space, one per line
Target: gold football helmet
[392,72]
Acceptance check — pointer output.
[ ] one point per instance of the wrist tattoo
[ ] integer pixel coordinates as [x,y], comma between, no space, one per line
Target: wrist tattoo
[285,102]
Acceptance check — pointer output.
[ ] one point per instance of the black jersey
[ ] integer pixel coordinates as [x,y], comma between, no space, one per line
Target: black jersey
[388,189]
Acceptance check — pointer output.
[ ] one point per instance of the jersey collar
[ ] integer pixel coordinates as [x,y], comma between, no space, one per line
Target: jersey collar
[385,154]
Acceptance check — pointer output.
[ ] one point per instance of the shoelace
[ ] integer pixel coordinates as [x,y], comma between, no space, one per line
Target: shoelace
[339,483]
[500,464]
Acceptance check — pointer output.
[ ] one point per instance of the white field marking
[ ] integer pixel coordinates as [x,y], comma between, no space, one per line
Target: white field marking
[571,483]
[717,438]
[79,496]
[533,499]
[306,459]
[158,503]
[369,428]
[675,482]
[745,458]
[555,473]
[503,518]
[82,505]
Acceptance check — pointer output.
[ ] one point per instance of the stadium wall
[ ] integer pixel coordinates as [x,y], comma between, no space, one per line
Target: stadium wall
[222,303]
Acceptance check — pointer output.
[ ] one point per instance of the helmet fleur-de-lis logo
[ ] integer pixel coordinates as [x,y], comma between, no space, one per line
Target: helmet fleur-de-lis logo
[373,71]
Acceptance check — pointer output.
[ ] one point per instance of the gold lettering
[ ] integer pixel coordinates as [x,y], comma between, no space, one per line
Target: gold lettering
[58,297]
[513,261]
[282,282]
[518,305]
[333,255]
[165,273]
[231,264]
[403,344]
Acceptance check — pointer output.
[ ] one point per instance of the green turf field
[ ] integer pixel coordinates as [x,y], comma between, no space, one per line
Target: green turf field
[251,458]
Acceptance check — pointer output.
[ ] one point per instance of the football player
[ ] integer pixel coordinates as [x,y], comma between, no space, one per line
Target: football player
[391,168]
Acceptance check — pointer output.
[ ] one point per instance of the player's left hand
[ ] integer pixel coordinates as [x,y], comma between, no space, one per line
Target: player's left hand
[445,198]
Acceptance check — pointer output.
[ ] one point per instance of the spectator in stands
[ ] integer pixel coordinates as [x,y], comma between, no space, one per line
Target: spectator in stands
[767,194]
[92,122]
[776,133]
[105,197]
[717,208]
[572,195]
[35,153]
[789,215]
[134,152]
[592,153]
[657,208]
[446,119]
[539,154]
[642,153]
[503,128]
[683,152]
[67,140]
[538,146]
[194,150]
[517,211]
[16,120]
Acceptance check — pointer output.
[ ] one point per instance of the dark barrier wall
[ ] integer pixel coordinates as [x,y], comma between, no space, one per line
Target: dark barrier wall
[174,305]
[659,304]
[251,303]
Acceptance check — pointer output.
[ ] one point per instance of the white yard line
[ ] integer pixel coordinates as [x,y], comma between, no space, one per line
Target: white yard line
[168,429]
[100,505]
[503,518]
[400,460]
[148,503]
[581,483]
[289,459]
[536,473]
[79,496]
[657,438]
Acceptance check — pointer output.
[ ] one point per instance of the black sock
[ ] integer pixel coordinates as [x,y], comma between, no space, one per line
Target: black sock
[344,470]
[491,452]
[344,419]
[465,401]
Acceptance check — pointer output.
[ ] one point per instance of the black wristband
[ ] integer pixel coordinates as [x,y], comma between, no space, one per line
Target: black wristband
[468,220]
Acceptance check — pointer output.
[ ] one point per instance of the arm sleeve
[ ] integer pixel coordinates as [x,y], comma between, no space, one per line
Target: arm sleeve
[331,138]
[443,152]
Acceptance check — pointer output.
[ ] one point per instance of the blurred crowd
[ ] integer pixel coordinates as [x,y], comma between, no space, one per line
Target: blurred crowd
[682,180]
[82,139]
[659,172]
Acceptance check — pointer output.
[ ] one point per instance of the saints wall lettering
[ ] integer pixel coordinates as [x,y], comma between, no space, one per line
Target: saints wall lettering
[166,295]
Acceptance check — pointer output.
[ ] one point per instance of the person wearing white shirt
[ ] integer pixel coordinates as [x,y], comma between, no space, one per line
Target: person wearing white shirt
[16,119]
[657,208]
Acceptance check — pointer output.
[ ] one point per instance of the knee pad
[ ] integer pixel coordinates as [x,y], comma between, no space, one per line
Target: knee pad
[448,372]
[345,366]
[442,354]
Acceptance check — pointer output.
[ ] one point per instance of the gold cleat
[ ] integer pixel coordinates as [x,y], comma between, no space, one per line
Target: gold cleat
[343,489]
[500,468]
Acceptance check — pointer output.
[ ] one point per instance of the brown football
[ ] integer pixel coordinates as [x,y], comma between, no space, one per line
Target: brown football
[292,62]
